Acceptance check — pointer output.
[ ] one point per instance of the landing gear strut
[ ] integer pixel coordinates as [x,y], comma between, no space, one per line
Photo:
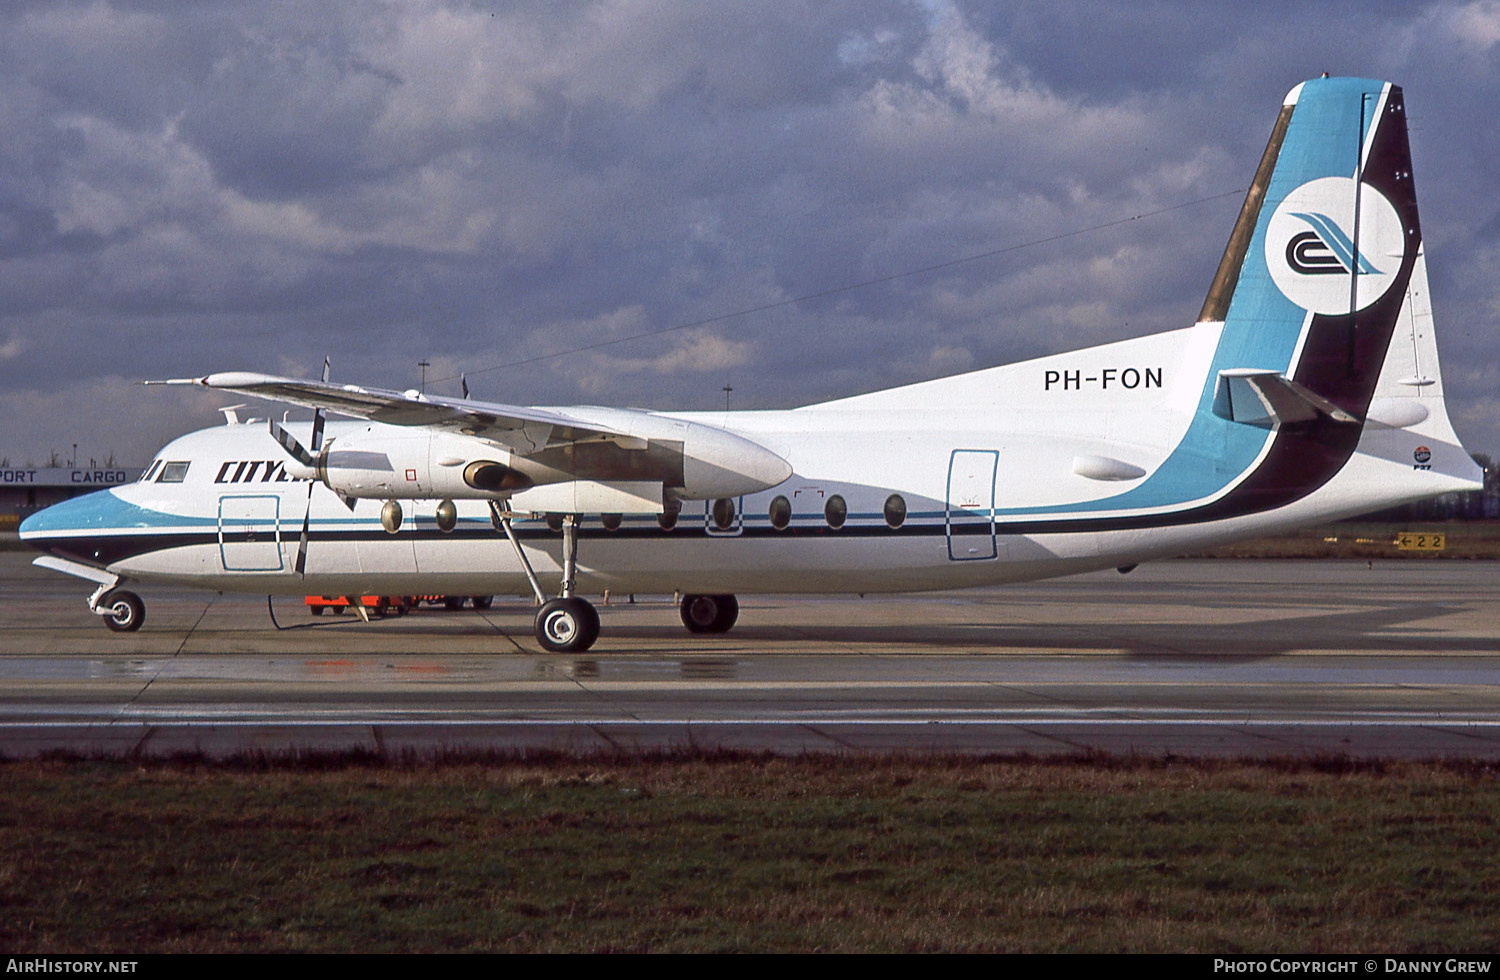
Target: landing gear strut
[567,624]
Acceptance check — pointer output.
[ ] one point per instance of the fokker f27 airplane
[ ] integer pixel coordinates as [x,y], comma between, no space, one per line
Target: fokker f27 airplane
[1308,390]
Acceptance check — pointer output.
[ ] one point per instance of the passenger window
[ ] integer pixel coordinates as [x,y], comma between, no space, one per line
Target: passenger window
[667,519]
[724,513]
[895,510]
[611,522]
[780,513]
[836,512]
[173,473]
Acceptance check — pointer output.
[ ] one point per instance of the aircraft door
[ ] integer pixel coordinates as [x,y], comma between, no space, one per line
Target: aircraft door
[250,533]
[970,513]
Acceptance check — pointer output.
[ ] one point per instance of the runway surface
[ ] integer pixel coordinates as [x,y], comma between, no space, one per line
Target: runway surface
[1222,658]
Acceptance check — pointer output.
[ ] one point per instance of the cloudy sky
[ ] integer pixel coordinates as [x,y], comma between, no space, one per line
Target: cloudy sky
[188,187]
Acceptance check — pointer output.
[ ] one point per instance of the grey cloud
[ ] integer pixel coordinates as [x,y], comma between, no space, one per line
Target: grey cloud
[196,187]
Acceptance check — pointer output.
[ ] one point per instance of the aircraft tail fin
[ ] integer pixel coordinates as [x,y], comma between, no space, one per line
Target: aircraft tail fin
[1316,269]
[1313,355]
[1322,292]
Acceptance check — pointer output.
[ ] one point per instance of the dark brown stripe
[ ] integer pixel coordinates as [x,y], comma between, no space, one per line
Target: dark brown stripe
[1216,305]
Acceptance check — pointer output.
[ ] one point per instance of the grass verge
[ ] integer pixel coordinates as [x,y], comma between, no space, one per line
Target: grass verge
[727,852]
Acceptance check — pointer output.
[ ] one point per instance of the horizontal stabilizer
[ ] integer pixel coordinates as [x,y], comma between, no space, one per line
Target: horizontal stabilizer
[1260,397]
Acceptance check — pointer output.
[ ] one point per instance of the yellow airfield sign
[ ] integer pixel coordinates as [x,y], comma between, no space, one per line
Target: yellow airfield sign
[1420,541]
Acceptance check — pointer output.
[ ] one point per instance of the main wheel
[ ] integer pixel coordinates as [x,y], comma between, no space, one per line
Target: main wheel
[126,611]
[567,625]
[709,613]
[453,603]
[482,601]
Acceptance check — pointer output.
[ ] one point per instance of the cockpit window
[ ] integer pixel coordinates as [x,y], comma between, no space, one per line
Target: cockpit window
[151,471]
[173,473]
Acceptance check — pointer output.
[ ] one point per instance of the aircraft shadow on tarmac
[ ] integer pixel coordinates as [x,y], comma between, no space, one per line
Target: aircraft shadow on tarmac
[1383,630]
[1372,627]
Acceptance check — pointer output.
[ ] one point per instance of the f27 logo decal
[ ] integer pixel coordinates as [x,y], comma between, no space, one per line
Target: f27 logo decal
[1311,253]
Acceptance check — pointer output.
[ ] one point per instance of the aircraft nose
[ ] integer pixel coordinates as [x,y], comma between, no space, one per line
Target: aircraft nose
[40,525]
[40,530]
[90,512]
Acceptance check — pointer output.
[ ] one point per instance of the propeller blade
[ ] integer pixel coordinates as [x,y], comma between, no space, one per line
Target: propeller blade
[317,430]
[286,440]
[294,448]
[301,565]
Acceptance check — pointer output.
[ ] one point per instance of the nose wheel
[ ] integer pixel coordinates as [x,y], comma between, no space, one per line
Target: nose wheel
[123,611]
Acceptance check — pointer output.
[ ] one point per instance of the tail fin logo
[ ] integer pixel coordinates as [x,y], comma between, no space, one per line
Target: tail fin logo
[1311,251]
[1326,250]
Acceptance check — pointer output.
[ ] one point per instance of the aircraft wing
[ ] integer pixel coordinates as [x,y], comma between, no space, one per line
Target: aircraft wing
[524,428]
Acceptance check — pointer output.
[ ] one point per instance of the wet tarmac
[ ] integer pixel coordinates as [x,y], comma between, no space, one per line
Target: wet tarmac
[1189,658]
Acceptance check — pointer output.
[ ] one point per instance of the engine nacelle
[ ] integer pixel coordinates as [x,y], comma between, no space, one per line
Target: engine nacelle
[720,464]
[391,463]
[684,459]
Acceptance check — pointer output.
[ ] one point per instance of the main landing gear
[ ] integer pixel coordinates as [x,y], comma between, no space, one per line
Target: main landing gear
[709,613]
[567,624]
[570,624]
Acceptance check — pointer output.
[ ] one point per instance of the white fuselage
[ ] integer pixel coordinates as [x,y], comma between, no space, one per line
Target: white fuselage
[1027,471]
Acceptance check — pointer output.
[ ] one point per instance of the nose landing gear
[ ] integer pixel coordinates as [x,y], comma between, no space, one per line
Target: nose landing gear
[123,610]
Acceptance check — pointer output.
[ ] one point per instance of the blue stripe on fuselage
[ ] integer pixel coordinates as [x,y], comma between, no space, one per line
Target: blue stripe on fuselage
[103,510]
